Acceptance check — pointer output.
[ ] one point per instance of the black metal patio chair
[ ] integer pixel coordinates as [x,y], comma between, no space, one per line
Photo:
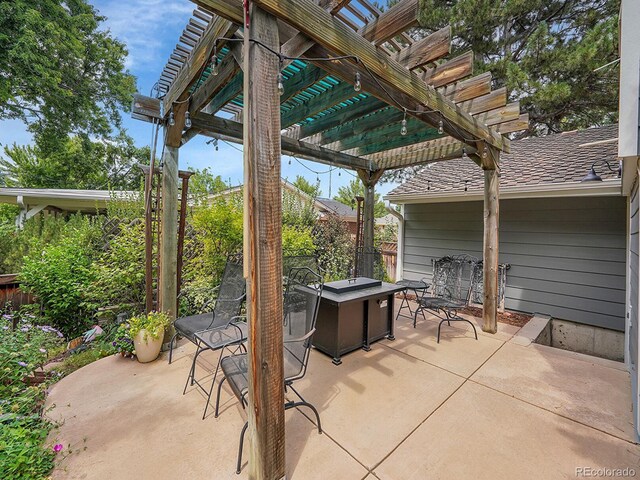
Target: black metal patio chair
[452,284]
[231,294]
[301,302]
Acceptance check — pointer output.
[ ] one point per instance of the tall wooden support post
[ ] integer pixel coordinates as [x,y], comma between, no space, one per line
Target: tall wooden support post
[369,179]
[184,197]
[490,254]
[263,210]
[167,281]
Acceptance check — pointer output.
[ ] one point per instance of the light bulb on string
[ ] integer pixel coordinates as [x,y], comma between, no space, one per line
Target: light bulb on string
[464,153]
[440,128]
[466,185]
[280,84]
[357,86]
[289,161]
[214,71]
[172,120]
[403,129]
[187,120]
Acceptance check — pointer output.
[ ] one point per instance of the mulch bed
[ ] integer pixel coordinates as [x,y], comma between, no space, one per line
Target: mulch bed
[512,318]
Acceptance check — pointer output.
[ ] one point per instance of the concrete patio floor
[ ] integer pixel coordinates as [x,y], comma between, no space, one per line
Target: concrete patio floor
[408,409]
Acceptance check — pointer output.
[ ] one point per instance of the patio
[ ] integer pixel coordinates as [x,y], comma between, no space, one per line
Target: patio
[408,409]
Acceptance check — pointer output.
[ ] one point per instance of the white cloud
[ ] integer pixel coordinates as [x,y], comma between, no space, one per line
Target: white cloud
[149,28]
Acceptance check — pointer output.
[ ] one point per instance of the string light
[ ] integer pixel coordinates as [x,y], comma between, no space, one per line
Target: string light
[440,127]
[280,84]
[172,120]
[464,153]
[215,143]
[466,185]
[289,161]
[214,72]
[187,120]
[429,185]
[357,86]
[403,130]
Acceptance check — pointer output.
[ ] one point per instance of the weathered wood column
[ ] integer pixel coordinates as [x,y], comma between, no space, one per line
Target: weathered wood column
[263,254]
[369,179]
[490,252]
[167,281]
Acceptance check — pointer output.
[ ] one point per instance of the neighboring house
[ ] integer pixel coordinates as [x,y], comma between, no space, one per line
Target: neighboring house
[34,200]
[565,239]
[322,206]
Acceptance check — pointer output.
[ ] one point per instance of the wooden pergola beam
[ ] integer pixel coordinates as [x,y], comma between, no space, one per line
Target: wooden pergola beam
[319,103]
[232,131]
[391,23]
[212,85]
[434,153]
[198,58]
[426,50]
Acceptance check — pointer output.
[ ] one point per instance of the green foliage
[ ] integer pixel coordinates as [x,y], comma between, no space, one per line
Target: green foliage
[59,275]
[60,69]
[24,431]
[118,273]
[123,342]
[219,227]
[304,185]
[297,241]
[154,325]
[76,162]
[334,247]
[355,189]
[202,184]
[544,51]
[298,211]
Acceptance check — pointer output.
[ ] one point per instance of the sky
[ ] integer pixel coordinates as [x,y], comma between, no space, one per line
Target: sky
[149,49]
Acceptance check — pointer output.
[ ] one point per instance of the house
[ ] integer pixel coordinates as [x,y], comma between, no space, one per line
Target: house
[565,239]
[629,154]
[321,205]
[34,200]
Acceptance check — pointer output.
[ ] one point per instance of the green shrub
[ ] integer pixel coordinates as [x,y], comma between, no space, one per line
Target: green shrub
[154,324]
[119,272]
[23,430]
[334,247]
[60,274]
[297,241]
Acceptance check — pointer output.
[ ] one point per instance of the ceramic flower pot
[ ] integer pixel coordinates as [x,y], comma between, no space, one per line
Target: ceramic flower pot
[147,348]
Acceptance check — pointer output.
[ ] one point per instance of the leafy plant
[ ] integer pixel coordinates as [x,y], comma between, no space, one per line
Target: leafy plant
[60,274]
[123,341]
[334,247]
[153,323]
[297,241]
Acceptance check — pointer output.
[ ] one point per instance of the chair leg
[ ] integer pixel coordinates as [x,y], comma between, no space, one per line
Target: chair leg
[239,464]
[439,325]
[171,343]
[415,316]
[192,371]
[304,403]
[218,395]
[213,382]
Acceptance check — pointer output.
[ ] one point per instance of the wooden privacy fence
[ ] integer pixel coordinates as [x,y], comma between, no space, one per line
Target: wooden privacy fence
[390,258]
[11,294]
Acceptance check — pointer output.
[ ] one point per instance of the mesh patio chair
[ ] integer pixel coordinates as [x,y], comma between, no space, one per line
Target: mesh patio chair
[453,278]
[301,302]
[231,294]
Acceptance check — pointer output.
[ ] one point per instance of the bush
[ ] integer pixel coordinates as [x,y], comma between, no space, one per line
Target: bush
[335,248]
[297,241]
[23,430]
[60,274]
[119,272]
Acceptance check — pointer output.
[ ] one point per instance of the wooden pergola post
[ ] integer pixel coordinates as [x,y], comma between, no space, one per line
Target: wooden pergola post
[490,250]
[369,179]
[263,255]
[167,279]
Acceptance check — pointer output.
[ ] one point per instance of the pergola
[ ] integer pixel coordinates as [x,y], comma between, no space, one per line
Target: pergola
[337,82]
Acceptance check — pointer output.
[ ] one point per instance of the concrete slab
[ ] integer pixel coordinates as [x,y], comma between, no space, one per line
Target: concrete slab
[482,434]
[420,342]
[374,399]
[589,393]
[135,423]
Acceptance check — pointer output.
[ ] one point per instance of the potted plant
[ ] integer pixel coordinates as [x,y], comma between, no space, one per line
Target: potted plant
[147,332]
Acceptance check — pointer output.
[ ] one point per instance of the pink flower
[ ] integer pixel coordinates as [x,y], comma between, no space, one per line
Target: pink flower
[57,447]
[42,350]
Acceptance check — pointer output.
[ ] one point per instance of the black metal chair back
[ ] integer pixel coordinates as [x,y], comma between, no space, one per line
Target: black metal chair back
[231,292]
[301,303]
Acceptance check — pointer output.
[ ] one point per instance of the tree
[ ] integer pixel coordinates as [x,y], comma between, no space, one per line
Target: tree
[77,162]
[59,71]
[202,184]
[304,185]
[546,52]
[355,189]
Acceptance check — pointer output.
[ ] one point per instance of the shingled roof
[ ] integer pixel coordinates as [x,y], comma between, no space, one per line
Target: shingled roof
[536,162]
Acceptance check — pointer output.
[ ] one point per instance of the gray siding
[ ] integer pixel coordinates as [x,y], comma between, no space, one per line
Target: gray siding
[567,255]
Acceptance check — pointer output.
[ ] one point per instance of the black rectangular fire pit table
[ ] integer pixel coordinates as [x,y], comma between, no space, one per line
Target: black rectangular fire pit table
[354,313]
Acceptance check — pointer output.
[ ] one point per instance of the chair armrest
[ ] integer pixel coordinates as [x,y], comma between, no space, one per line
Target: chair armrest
[300,339]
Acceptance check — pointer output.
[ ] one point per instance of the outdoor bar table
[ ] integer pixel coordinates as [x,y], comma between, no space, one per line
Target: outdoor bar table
[354,313]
